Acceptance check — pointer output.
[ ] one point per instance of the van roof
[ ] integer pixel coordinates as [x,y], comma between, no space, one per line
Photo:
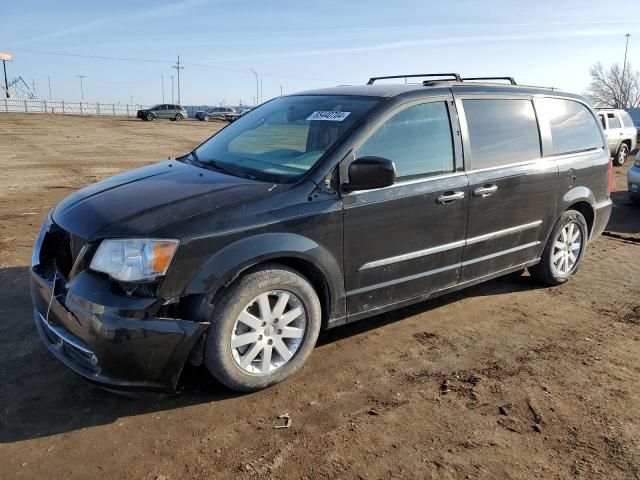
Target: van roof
[440,86]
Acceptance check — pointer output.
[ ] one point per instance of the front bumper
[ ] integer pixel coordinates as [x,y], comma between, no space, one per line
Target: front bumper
[116,341]
[633,181]
[108,339]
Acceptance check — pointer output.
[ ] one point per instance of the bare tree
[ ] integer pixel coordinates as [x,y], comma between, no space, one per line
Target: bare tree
[609,89]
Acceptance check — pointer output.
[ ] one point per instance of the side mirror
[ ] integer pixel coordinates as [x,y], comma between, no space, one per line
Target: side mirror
[367,173]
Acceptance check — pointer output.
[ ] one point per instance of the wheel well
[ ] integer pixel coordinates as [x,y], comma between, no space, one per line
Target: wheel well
[303,267]
[315,277]
[627,143]
[587,212]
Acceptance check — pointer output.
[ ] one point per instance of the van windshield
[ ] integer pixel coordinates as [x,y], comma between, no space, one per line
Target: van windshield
[282,139]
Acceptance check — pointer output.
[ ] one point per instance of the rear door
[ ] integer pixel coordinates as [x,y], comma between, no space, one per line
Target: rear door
[406,240]
[512,188]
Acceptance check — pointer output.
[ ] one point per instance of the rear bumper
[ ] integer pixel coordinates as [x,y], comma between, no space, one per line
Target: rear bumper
[601,219]
[108,339]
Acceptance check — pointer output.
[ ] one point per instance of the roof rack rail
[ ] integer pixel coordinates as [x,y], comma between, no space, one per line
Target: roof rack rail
[508,79]
[455,76]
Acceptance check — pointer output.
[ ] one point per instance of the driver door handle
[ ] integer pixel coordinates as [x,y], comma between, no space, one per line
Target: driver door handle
[485,191]
[450,197]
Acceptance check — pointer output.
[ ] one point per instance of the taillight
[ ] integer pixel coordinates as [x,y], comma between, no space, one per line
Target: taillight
[610,175]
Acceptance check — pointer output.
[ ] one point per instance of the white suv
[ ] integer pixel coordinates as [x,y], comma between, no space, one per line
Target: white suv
[620,131]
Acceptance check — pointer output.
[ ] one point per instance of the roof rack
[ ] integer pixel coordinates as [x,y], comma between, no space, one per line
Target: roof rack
[508,79]
[455,76]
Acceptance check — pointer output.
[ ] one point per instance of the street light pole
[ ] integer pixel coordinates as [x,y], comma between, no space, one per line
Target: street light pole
[280,90]
[624,68]
[81,77]
[49,80]
[172,89]
[162,78]
[257,86]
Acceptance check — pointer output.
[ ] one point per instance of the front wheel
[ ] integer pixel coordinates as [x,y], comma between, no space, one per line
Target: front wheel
[622,155]
[150,117]
[178,118]
[564,250]
[263,328]
[205,118]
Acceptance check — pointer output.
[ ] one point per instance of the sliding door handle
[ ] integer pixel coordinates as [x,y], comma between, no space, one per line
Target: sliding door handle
[485,191]
[450,197]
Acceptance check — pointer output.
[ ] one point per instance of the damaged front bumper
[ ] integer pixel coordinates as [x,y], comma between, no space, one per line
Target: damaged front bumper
[106,337]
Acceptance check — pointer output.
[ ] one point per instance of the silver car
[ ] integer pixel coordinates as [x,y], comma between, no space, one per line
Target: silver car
[633,180]
[620,131]
[163,110]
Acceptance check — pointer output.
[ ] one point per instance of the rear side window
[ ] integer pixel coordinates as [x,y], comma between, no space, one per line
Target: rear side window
[626,120]
[501,132]
[417,139]
[573,127]
[613,121]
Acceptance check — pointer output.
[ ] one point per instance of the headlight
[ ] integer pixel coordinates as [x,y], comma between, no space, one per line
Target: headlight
[134,259]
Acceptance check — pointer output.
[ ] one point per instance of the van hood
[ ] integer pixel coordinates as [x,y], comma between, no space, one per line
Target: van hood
[142,201]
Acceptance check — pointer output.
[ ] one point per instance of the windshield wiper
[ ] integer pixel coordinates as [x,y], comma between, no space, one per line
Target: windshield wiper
[224,168]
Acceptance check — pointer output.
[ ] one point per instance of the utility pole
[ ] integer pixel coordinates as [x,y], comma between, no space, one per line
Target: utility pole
[257,86]
[49,81]
[172,89]
[81,77]
[33,87]
[261,97]
[178,68]
[280,90]
[162,78]
[5,57]
[624,68]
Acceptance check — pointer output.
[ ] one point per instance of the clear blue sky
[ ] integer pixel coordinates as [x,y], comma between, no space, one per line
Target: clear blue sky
[303,44]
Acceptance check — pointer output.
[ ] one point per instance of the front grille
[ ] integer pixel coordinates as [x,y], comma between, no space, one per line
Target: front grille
[59,251]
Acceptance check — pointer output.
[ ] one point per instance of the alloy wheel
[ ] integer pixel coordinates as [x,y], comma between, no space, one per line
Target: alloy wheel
[268,332]
[567,249]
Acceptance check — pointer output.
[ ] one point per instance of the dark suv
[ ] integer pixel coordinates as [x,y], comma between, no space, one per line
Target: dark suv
[312,211]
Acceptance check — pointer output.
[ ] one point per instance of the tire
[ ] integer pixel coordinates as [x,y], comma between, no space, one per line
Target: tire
[552,272]
[622,155]
[205,118]
[235,366]
[178,117]
[149,117]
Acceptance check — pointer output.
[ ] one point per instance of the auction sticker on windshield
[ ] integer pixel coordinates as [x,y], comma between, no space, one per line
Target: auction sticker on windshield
[329,116]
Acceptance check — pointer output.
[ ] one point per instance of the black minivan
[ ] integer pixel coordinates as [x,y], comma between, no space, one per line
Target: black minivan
[311,211]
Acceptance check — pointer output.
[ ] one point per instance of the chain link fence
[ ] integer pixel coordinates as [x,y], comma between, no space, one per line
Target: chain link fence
[16,105]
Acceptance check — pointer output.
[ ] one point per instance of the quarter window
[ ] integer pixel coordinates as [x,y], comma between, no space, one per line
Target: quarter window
[626,120]
[417,139]
[573,126]
[501,132]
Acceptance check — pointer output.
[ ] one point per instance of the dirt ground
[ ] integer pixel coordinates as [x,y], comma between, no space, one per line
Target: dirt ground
[503,380]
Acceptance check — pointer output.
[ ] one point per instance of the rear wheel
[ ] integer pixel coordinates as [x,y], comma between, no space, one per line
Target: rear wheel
[564,250]
[622,155]
[263,328]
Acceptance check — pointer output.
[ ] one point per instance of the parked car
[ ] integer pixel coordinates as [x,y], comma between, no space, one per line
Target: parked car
[311,211]
[172,112]
[231,116]
[633,179]
[620,132]
[217,113]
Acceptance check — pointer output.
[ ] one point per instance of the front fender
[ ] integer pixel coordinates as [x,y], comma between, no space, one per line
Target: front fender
[228,262]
